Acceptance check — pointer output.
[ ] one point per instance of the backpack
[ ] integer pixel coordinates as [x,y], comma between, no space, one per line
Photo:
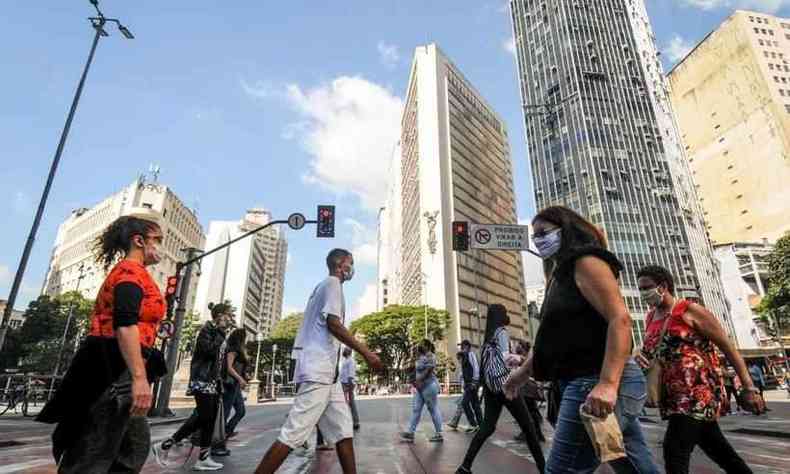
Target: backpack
[495,372]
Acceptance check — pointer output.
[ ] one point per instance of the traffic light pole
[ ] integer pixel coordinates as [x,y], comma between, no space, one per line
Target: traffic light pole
[162,407]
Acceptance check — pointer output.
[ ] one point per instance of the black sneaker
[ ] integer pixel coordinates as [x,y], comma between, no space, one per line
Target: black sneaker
[463,470]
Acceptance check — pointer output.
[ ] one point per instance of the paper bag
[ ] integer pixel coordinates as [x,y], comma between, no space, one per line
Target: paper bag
[605,435]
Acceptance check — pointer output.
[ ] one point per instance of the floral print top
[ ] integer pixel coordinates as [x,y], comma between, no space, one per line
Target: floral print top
[692,381]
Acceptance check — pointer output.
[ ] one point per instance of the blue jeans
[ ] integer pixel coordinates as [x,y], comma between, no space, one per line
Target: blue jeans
[572,450]
[428,397]
[233,398]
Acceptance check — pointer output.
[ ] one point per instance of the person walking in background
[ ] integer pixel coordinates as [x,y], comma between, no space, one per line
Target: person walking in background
[683,337]
[101,405]
[758,377]
[470,371]
[495,356]
[459,405]
[426,393]
[319,400]
[236,364]
[205,385]
[532,394]
[348,379]
[583,345]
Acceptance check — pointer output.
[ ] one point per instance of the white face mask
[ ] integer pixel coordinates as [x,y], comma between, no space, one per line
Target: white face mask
[349,273]
[651,297]
[549,243]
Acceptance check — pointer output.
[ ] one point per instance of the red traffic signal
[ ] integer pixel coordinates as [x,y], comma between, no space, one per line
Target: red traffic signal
[325,227]
[460,236]
[172,285]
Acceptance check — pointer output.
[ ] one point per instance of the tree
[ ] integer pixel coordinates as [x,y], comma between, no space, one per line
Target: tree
[774,308]
[40,336]
[189,332]
[393,332]
[287,327]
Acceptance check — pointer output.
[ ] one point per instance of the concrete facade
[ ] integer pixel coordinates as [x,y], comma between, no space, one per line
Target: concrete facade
[603,141]
[732,98]
[250,273]
[455,165]
[17,318]
[744,273]
[76,236]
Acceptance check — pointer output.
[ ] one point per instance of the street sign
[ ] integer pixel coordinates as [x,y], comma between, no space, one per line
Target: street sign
[296,221]
[499,237]
[166,329]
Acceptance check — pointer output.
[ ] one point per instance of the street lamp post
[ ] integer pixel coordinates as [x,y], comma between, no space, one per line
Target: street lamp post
[97,23]
[274,358]
[65,332]
[259,340]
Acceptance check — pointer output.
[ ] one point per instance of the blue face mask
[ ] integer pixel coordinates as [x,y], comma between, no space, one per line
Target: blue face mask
[549,243]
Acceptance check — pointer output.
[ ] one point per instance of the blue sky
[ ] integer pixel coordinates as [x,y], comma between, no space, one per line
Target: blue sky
[248,103]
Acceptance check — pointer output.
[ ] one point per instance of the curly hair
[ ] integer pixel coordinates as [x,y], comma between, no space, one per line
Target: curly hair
[221,308]
[660,275]
[117,238]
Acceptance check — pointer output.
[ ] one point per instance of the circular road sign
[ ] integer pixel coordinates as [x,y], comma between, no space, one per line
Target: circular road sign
[166,330]
[296,221]
[483,236]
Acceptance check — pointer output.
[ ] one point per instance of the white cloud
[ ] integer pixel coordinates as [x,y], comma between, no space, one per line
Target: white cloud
[509,45]
[349,127]
[388,54]
[290,309]
[363,240]
[769,6]
[678,48]
[365,304]
[533,265]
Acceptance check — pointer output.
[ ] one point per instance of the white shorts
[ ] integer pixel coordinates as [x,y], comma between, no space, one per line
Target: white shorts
[317,404]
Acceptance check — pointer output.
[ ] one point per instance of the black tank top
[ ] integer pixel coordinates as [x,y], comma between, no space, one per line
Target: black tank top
[571,340]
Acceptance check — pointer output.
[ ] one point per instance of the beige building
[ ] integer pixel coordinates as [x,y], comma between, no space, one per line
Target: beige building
[74,243]
[455,165]
[731,94]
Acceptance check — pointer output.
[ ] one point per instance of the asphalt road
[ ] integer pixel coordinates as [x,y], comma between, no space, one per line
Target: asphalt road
[765,444]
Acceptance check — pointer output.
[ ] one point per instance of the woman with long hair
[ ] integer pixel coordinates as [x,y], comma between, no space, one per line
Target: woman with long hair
[235,379]
[205,385]
[493,370]
[584,344]
[102,403]
[426,393]
[683,336]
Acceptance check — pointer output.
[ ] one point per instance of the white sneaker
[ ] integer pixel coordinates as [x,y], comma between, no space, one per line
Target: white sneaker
[207,464]
[160,455]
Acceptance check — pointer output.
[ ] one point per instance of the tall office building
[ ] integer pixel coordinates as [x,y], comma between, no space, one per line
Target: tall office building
[455,165]
[732,98]
[75,238]
[602,139]
[249,273]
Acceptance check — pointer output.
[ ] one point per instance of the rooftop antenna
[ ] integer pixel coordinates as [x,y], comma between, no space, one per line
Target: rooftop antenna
[154,169]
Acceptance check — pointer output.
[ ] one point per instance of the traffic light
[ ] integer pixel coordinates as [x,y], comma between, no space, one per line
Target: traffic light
[172,287]
[460,236]
[326,222]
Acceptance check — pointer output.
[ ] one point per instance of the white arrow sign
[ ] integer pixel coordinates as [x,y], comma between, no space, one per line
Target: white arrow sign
[499,237]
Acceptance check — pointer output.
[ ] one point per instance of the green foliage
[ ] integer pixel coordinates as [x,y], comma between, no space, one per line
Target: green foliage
[774,308]
[189,332]
[287,327]
[35,346]
[393,332]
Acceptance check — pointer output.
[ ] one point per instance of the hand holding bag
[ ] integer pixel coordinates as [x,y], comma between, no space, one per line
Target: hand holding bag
[605,435]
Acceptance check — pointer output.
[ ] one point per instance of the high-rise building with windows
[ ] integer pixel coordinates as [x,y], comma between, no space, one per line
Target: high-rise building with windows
[603,141]
[74,244]
[249,273]
[455,165]
[732,98]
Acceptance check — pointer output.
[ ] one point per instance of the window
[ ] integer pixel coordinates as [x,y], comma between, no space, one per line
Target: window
[757,30]
[765,53]
[763,31]
[787,108]
[751,18]
[784,79]
[776,78]
[771,32]
[782,92]
[759,20]
[770,66]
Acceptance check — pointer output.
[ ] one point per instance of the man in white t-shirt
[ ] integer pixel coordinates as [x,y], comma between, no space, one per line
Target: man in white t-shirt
[320,400]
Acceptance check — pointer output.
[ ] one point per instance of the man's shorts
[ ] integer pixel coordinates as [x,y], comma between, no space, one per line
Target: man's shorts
[317,404]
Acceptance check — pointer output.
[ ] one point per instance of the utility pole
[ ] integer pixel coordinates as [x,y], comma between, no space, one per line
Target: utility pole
[162,407]
[97,23]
